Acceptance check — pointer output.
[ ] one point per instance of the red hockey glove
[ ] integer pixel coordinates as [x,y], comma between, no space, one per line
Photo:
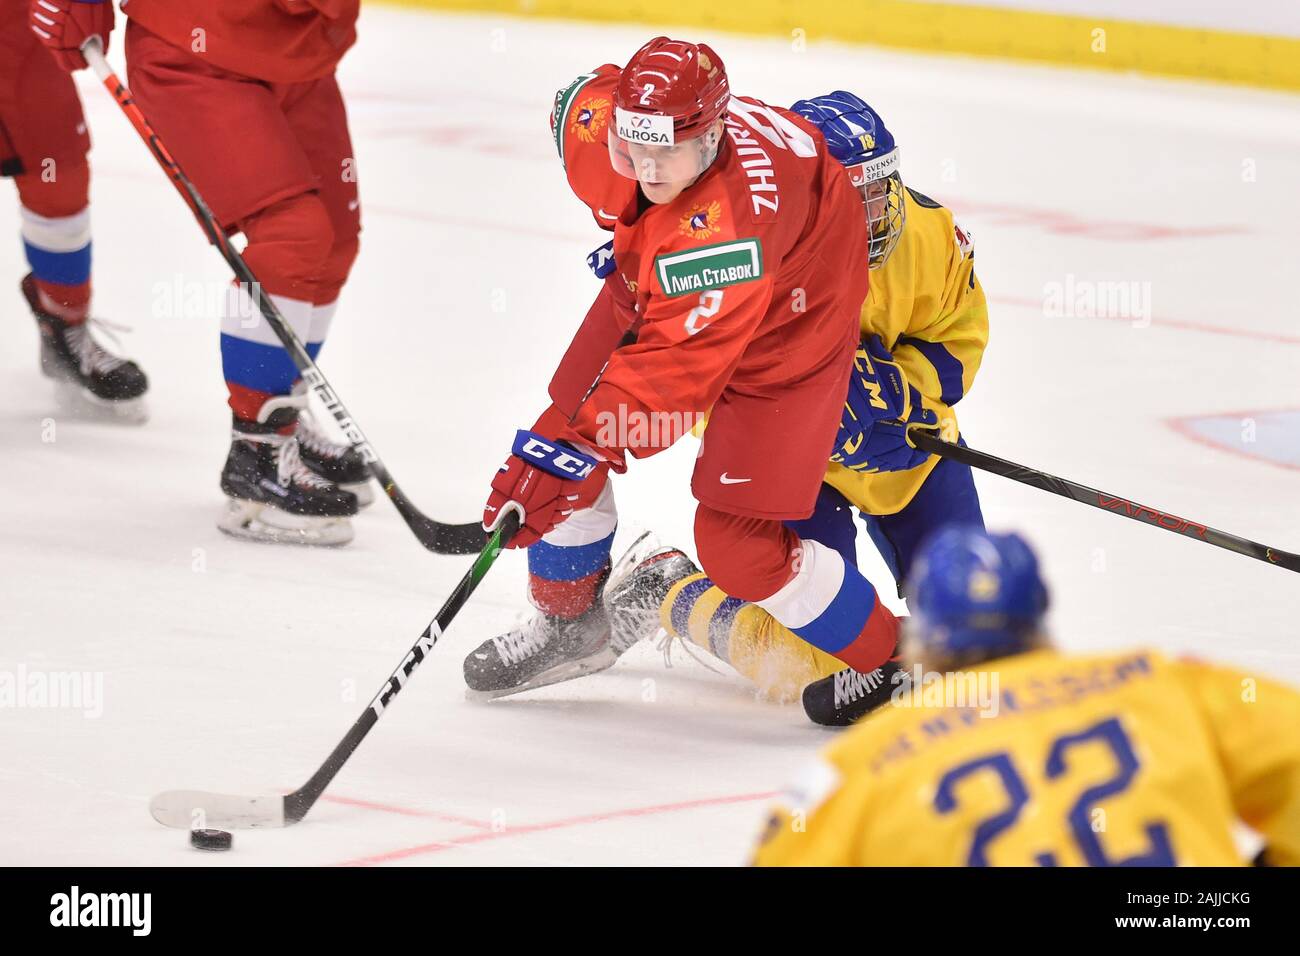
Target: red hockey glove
[541,481]
[64,25]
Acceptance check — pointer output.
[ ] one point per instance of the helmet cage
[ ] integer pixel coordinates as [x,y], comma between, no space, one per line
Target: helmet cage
[881,187]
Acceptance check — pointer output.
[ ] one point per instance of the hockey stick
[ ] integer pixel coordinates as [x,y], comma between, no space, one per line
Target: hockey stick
[927,441]
[186,809]
[437,537]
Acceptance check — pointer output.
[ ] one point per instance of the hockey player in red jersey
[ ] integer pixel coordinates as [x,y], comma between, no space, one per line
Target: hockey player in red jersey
[244,96]
[43,149]
[740,264]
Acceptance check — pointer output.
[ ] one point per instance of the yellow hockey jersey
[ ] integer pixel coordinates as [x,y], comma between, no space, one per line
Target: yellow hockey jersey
[1054,760]
[927,305]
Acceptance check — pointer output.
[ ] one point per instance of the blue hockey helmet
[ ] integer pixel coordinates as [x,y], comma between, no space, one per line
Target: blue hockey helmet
[974,595]
[860,142]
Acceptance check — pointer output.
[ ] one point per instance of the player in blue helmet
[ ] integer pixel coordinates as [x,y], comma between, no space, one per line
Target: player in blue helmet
[1174,754]
[860,142]
[973,596]
[924,328]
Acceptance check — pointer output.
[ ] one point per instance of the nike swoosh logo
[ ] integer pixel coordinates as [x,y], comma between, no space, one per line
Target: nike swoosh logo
[604,215]
[352,206]
[732,481]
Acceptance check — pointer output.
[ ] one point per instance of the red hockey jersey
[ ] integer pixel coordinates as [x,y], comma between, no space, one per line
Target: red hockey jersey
[749,279]
[580,124]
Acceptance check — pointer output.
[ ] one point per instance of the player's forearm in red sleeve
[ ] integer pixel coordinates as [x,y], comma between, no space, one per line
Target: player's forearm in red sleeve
[587,354]
[654,390]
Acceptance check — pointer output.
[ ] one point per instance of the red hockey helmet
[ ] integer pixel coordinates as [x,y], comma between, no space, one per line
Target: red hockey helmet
[670,92]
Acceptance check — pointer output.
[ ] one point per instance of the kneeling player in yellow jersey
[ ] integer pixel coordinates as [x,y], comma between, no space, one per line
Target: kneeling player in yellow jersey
[1007,752]
[924,326]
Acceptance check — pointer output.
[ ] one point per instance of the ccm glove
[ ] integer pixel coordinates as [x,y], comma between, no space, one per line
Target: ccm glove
[880,407]
[541,481]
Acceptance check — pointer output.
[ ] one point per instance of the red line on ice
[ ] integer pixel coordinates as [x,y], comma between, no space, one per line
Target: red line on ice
[409,812]
[1065,223]
[565,823]
[462,222]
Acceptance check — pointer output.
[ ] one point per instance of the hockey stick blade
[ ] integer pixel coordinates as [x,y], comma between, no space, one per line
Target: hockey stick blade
[184,809]
[190,809]
[468,538]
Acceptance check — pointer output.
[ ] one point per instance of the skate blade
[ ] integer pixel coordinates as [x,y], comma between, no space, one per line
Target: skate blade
[253,521]
[603,659]
[365,492]
[73,401]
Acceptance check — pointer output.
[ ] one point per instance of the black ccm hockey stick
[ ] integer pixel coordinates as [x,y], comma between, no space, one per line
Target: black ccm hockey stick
[928,441]
[437,537]
[198,809]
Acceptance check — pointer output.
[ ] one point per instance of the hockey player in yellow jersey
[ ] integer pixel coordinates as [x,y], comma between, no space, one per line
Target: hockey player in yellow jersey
[1006,752]
[924,327]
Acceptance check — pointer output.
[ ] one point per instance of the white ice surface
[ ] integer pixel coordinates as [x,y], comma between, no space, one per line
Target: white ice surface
[234,667]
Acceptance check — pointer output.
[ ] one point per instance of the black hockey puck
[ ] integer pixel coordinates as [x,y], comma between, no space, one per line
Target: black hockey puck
[211,839]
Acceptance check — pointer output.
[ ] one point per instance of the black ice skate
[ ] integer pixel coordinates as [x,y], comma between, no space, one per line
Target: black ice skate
[334,461]
[275,497]
[544,650]
[848,695]
[93,381]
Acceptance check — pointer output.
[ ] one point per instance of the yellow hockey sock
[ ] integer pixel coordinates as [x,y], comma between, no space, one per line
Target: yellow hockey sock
[778,661]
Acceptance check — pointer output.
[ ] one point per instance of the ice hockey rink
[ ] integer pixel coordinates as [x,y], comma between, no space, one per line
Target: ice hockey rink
[222,665]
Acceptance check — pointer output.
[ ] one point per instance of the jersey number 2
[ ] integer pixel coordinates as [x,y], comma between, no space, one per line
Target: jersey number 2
[1109,732]
[710,303]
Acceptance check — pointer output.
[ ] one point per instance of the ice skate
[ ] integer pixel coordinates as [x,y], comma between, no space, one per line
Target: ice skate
[847,696]
[336,462]
[638,586]
[93,383]
[546,649]
[274,497]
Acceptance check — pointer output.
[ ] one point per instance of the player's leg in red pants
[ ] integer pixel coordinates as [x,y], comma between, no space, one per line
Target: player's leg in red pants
[764,455]
[275,162]
[43,147]
[805,585]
